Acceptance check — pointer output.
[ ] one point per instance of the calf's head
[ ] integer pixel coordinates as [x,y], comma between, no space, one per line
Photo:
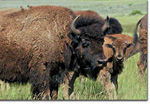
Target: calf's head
[87,40]
[119,48]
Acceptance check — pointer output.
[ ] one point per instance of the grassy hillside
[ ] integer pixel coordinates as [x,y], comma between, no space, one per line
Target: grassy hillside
[130,88]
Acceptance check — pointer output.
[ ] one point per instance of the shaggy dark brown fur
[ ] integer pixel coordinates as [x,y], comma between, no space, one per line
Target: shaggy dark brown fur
[142,63]
[114,25]
[31,48]
[90,27]
[90,13]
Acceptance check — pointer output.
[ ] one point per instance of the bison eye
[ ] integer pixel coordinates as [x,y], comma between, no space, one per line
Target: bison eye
[85,43]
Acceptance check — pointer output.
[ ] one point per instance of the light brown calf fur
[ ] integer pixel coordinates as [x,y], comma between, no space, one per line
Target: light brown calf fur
[109,74]
[131,50]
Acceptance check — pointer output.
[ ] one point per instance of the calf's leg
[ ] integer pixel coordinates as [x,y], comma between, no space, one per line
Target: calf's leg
[104,77]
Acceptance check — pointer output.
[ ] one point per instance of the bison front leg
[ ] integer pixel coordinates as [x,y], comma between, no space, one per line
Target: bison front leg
[68,84]
[39,79]
[54,93]
[104,77]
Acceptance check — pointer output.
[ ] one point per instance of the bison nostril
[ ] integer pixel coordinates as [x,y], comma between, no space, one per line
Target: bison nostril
[99,62]
[120,58]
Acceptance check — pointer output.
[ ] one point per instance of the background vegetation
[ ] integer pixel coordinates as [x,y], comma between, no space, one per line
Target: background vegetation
[128,12]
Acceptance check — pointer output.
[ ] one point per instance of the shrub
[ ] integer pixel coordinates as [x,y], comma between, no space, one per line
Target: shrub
[130,4]
[134,12]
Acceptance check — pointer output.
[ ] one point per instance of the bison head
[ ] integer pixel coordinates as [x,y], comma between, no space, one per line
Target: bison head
[119,47]
[114,27]
[87,40]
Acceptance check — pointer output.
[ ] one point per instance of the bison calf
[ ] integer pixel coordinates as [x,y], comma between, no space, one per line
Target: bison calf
[115,50]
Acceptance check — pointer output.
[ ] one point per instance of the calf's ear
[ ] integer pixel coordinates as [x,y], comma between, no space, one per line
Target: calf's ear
[108,46]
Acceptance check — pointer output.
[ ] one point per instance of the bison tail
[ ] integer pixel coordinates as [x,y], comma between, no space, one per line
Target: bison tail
[135,37]
[136,43]
[135,33]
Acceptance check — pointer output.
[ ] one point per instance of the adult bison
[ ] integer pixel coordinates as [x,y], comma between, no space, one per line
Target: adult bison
[142,63]
[43,44]
[116,48]
[91,29]
[114,26]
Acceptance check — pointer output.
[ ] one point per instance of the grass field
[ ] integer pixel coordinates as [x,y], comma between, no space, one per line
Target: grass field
[130,88]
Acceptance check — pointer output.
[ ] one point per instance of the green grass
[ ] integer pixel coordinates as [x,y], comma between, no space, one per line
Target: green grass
[130,88]
[16,92]
[135,12]
[128,23]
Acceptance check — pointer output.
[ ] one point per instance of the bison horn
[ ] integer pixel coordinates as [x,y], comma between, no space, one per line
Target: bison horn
[73,29]
[106,24]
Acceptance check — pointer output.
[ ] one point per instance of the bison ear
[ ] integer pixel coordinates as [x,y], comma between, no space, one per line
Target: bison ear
[108,45]
[107,19]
